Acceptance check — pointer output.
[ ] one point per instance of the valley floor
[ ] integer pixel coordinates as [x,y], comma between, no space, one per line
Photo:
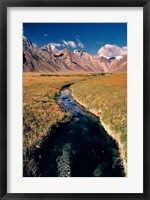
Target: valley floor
[105,96]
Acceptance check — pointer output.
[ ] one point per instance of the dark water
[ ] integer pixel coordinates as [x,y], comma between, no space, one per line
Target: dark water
[78,148]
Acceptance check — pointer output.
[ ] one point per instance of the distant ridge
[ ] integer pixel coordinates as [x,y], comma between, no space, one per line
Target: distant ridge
[49,59]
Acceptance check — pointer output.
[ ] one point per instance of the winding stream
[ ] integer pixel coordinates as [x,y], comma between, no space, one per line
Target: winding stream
[79,147]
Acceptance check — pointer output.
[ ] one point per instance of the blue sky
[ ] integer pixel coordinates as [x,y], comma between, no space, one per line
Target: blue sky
[88,36]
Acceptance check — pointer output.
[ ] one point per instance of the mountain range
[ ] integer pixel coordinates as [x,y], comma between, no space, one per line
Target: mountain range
[50,59]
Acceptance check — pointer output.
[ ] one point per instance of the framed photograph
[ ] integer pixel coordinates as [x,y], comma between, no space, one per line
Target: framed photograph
[74,98]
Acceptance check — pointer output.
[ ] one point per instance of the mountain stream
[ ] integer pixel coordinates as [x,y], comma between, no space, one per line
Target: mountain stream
[79,147]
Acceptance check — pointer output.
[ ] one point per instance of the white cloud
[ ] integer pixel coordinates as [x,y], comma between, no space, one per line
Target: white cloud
[45,35]
[109,50]
[80,44]
[57,44]
[72,44]
[69,43]
[65,42]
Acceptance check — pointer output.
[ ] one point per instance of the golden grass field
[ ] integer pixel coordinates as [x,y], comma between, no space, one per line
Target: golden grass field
[105,96]
[40,110]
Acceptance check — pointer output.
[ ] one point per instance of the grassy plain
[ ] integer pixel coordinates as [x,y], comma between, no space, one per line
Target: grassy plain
[106,97]
[40,110]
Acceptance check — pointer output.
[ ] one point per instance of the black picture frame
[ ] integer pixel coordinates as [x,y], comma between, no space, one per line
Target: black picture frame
[4,4]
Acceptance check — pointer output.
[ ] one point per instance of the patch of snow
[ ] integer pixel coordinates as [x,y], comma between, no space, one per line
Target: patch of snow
[119,57]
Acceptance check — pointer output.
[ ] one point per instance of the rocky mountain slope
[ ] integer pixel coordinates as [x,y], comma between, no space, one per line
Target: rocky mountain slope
[49,59]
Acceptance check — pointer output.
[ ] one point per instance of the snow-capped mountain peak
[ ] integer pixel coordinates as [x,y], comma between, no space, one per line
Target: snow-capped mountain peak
[119,57]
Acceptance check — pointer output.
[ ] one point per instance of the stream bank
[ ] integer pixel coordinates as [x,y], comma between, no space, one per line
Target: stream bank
[107,130]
